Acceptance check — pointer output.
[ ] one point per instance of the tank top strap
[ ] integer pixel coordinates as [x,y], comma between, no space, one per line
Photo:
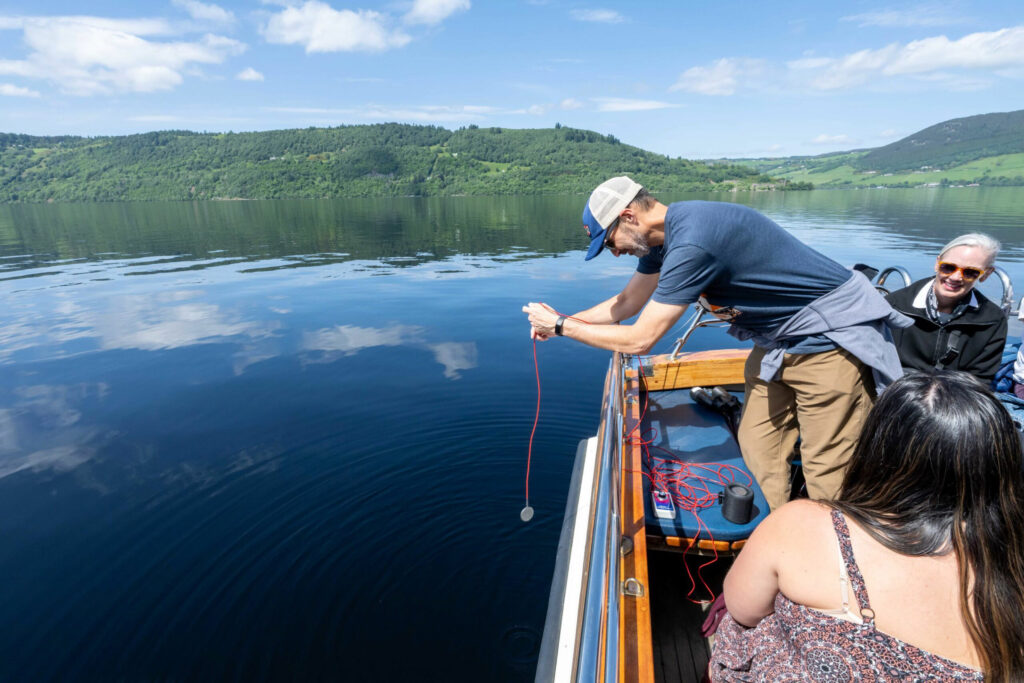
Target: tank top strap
[852,570]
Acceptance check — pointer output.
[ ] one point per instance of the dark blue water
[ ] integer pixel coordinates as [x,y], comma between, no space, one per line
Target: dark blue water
[287,440]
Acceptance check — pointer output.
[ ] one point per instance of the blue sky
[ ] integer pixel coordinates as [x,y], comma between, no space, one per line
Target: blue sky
[697,80]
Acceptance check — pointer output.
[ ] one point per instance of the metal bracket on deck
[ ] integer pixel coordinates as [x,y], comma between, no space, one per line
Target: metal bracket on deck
[633,588]
[626,547]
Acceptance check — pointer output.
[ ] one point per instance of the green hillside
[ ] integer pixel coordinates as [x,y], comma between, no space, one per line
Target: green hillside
[950,144]
[348,161]
[987,149]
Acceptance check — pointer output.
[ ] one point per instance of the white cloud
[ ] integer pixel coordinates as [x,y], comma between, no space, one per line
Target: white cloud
[921,59]
[154,118]
[320,28]
[249,74]
[824,139]
[601,16]
[16,91]
[809,63]
[94,55]
[922,15]
[455,356]
[432,12]
[722,77]
[570,103]
[350,339]
[420,113]
[622,104]
[205,12]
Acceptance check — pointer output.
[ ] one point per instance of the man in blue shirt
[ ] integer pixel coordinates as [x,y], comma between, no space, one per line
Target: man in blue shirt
[806,374]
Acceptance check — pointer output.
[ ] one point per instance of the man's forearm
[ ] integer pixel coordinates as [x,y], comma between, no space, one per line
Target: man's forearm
[600,314]
[623,338]
[613,310]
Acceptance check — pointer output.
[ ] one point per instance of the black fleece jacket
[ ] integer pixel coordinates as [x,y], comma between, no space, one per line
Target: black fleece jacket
[981,342]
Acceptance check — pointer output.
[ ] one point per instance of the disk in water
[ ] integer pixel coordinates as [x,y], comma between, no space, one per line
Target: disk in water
[527,514]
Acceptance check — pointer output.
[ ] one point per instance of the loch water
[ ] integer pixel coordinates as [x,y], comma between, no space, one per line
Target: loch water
[287,440]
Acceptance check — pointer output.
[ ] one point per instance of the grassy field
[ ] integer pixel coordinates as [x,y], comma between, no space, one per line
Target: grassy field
[837,171]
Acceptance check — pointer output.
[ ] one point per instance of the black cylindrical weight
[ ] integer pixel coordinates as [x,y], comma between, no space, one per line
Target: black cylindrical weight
[737,503]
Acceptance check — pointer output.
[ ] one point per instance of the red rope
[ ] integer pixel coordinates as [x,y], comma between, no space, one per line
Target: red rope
[688,483]
[536,417]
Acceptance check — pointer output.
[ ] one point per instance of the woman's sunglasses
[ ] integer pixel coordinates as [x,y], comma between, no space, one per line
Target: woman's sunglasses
[969,274]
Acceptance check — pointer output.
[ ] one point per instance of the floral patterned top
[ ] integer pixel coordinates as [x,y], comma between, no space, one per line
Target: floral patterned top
[797,643]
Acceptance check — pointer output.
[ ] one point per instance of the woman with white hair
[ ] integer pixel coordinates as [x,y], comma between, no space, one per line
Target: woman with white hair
[955,327]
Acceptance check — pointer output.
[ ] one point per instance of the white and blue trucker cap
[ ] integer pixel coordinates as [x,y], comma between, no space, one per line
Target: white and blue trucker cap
[603,209]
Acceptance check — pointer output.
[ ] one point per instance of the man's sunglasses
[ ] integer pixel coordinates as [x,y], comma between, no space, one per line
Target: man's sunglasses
[969,274]
[609,243]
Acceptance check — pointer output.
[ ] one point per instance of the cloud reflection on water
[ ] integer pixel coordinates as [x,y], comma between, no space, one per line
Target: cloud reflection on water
[346,340]
[149,322]
[42,430]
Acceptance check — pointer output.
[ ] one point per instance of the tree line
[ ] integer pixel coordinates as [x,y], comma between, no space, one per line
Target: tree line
[377,160]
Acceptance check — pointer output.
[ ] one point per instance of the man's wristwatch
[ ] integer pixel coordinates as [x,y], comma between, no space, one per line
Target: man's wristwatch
[558,325]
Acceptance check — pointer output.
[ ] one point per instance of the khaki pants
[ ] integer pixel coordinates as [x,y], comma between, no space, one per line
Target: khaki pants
[823,397]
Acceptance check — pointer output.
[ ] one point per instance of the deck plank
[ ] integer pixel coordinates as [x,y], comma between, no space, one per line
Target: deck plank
[637,663]
[680,652]
[700,368]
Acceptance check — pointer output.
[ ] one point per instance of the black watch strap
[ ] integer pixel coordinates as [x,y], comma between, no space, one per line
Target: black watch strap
[558,325]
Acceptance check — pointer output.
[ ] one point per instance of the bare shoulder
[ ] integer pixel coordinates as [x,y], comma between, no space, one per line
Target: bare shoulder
[788,534]
[796,521]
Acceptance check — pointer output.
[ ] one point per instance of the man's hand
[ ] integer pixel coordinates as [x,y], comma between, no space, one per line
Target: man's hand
[542,320]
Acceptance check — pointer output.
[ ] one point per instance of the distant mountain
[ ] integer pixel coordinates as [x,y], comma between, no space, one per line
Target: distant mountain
[987,149]
[348,161]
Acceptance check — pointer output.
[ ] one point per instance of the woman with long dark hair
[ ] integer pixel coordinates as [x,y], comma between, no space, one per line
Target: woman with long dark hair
[915,571]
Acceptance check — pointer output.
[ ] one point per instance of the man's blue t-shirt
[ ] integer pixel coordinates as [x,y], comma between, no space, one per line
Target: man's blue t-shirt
[737,257]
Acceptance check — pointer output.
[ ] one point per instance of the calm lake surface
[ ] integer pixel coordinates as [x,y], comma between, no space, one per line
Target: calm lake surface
[287,440]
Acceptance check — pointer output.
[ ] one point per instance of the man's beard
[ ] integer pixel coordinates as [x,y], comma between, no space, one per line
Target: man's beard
[638,245]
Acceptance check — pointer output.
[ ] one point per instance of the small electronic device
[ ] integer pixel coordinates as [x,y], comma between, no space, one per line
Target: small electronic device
[663,506]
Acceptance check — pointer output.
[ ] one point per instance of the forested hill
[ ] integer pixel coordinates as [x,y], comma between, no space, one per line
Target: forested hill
[987,149]
[347,161]
[950,143]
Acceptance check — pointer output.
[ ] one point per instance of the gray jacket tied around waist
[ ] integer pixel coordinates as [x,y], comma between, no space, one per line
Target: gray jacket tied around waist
[853,315]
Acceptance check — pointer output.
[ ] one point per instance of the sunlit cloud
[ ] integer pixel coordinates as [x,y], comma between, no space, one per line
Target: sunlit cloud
[202,11]
[623,104]
[154,118]
[417,114]
[928,58]
[432,12]
[922,15]
[824,139]
[570,103]
[600,16]
[318,27]
[249,74]
[94,55]
[9,90]
[722,77]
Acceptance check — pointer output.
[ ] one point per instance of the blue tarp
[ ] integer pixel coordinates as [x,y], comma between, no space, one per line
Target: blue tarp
[694,434]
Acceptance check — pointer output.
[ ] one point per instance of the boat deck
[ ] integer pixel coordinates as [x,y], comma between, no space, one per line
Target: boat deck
[696,455]
[680,652]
